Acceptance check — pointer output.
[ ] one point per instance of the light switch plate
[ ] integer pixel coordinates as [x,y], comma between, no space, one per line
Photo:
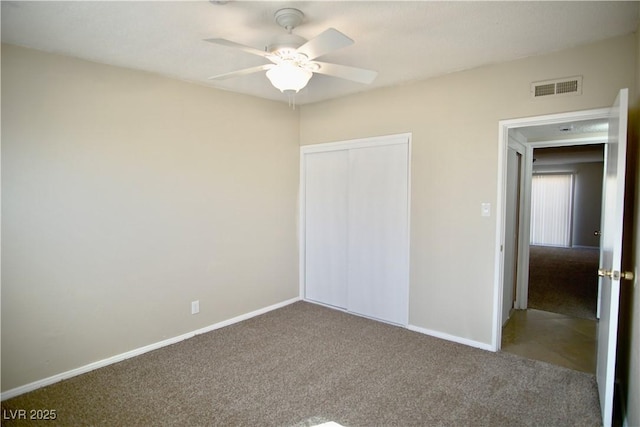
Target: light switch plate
[485,209]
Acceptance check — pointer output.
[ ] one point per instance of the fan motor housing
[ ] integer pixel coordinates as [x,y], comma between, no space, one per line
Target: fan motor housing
[286,41]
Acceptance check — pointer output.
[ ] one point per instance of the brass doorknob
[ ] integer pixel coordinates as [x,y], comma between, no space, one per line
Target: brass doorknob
[615,275]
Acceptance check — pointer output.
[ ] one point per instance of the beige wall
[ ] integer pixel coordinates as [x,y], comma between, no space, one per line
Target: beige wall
[125,196]
[454,120]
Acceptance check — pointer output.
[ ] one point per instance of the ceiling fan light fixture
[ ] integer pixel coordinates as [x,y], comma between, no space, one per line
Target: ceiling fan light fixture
[288,77]
[293,57]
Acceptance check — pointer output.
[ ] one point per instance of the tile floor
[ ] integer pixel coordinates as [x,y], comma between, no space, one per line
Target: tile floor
[553,338]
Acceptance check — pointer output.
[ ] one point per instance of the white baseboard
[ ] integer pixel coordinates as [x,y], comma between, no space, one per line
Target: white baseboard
[138,351]
[459,340]
[418,329]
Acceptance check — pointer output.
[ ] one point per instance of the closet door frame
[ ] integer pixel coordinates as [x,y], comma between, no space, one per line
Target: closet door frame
[394,139]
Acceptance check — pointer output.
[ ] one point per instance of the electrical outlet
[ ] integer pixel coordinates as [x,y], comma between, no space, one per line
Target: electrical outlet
[195,307]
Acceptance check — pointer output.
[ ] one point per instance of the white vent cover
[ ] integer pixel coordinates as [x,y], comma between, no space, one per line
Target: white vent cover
[557,87]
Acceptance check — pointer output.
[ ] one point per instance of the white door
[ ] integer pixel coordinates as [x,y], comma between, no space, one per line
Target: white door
[611,252]
[326,184]
[514,162]
[378,232]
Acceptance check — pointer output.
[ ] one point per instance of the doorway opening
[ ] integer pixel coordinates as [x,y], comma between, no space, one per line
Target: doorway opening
[566,204]
[553,189]
[610,269]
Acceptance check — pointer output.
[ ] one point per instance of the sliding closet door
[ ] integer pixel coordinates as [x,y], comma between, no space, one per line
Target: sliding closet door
[325,228]
[355,226]
[378,232]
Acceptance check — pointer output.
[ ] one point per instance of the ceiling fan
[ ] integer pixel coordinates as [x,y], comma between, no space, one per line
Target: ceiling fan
[293,57]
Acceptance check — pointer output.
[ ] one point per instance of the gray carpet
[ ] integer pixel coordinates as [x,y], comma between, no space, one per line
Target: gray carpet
[564,280]
[305,364]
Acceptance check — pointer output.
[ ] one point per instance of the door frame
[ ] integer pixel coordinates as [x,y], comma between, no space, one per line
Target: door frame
[504,126]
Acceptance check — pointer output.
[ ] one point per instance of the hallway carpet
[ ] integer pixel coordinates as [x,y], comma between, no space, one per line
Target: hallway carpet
[564,280]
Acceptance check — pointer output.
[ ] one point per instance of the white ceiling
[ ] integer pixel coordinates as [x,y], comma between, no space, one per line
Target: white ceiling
[566,131]
[403,41]
[593,132]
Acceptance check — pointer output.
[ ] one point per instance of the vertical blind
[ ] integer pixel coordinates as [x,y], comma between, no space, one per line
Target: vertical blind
[551,209]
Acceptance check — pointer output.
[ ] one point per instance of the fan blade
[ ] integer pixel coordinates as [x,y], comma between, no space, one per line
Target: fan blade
[229,43]
[241,72]
[325,42]
[359,75]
